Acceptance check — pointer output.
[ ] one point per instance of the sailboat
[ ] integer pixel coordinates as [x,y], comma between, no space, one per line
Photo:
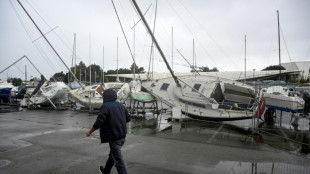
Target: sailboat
[92,96]
[137,94]
[202,97]
[5,91]
[49,94]
[46,93]
[282,98]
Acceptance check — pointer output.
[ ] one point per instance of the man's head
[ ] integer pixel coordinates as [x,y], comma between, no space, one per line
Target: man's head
[109,95]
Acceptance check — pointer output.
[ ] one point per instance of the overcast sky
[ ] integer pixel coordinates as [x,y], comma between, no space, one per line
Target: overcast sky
[218,28]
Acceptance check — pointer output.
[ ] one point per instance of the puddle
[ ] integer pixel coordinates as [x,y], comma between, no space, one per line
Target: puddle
[282,135]
[264,167]
[4,163]
[234,133]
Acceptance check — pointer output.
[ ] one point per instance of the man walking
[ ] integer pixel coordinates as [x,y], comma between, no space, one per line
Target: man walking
[111,120]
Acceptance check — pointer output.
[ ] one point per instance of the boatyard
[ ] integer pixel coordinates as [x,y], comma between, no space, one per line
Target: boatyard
[51,141]
[250,113]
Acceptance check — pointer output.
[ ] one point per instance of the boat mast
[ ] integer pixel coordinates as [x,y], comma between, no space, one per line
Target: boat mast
[155,41]
[132,56]
[134,53]
[73,57]
[74,53]
[279,42]
[194,57]
[89,59]
[25,73]
[172,48]
[244,59]
[103,65]
[49,43]
[117,79]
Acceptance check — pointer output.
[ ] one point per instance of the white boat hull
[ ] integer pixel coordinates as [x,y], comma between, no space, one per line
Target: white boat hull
[50,93]
[284,103]
[90,98]
[277,97]
[208,102]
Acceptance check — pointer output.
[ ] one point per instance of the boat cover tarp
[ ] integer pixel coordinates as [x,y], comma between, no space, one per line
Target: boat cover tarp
[43,79]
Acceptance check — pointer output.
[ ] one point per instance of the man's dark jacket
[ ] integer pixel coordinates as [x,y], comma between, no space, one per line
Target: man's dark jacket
[112,118]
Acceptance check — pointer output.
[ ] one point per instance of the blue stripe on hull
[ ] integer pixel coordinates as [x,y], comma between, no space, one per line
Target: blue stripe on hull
[285,109]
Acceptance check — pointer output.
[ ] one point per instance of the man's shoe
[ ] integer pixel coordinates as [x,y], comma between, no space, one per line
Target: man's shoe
[101,168]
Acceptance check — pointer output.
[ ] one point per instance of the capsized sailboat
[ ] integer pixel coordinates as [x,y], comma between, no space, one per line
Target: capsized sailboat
[202,97]
[91,98]
[49,93]
[205,97]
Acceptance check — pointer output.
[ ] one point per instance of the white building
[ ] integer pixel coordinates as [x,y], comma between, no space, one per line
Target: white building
[303,66]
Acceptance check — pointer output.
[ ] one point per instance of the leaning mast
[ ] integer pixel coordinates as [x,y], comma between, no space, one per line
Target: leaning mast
[49,43]
[279,42]
[155,41]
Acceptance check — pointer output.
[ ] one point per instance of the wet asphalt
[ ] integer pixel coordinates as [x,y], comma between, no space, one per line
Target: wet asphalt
[49,141]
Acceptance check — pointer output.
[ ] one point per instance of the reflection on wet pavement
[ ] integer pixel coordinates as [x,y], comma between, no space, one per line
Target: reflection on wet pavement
[288,139]
[233,133]
[264,167]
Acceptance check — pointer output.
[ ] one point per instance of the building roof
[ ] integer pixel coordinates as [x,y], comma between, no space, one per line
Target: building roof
[303,66]
[232,75]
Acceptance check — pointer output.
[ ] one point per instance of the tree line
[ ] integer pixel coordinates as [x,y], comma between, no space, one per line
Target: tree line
[81,72]
[93,73]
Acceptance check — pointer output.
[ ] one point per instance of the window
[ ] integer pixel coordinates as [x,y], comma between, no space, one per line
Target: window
[164,86]
[196,86]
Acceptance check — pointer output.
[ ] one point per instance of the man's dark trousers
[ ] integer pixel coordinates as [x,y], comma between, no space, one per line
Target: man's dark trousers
[115,158]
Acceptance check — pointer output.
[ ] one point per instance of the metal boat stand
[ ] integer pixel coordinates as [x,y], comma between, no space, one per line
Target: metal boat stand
[137,107]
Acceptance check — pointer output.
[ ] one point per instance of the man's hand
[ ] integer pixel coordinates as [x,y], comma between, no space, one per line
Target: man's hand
[88,133]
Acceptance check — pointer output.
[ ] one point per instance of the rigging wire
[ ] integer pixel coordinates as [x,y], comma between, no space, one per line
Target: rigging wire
[67,46]
[19,69]
[128,25]
[51,30]
[191,30]
[289,56]
[124,34]
[146,39]
[271,44]
[140,18]
[188,28]
[47,40]
[30,35]
[208,34]
[152,45]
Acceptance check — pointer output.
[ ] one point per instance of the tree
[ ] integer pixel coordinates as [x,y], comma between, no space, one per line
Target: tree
[214,69]
[95,71]
[133,68]
[82,73]
[59,77]
[141,70]
[137,69]
[274,67]
[206,69]
[15,81]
